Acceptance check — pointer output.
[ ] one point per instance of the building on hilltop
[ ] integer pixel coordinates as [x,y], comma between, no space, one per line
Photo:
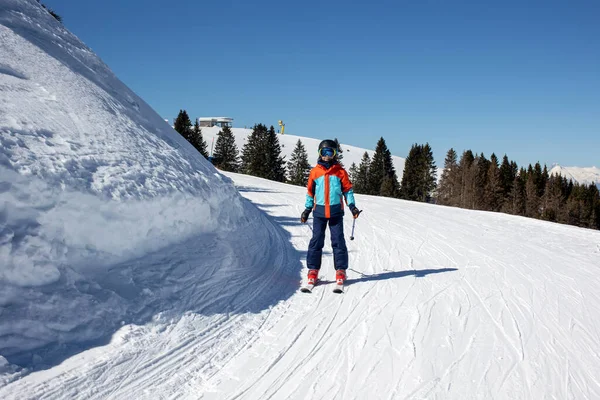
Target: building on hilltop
[216,121]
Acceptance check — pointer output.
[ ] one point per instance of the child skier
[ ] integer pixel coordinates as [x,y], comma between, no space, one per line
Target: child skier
[328,184]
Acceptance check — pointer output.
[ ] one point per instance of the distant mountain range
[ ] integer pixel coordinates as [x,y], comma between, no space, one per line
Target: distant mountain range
[583,175]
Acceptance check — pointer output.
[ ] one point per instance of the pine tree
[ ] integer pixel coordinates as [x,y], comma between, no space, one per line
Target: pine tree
[253,156]
[449,188]
[361,180]
[298,166]
[183,125]
[275,162]
[389,187]
[532,184]
[429,173]
[261,155]
[589,206]
[517,200]
[380,167]
[353,172]
[340,151]
[198,141]
[377,169]
[493,186]
[226,155]
[508,173]
[467,169]
[540,177]
[419,177]
[594,194]
[482,165]
[409,186]
[545,177]
[553,201]
[575,205]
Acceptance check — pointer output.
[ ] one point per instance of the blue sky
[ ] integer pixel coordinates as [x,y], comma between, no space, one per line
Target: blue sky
[511,77]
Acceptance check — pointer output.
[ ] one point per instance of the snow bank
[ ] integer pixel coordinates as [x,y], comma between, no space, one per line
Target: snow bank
[88,169]
[90,177]
[42,228]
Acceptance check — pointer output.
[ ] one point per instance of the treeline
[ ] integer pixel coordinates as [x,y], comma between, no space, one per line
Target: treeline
[377,175]
[474,182]
[261,155]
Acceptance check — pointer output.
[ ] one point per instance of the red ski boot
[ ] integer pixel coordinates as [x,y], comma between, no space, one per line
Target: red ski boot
[313,277]
[340,280]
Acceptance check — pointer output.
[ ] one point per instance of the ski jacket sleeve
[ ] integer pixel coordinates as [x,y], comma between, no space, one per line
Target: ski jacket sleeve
[310,195]
[347,188]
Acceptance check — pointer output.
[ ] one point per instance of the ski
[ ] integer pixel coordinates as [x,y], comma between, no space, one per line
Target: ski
[338,288]
[308,288]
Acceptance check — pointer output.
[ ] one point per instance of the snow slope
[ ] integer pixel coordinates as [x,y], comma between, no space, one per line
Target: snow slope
[583,175]
[351,154]
[442,303]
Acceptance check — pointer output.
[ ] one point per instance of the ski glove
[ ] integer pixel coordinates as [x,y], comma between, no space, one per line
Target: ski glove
[355,211]
[305,215]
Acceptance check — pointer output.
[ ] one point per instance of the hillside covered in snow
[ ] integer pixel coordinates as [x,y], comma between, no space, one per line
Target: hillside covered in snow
[131,269]
[351,154]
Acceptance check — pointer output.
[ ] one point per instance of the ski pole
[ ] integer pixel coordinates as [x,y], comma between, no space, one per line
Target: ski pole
[353,224]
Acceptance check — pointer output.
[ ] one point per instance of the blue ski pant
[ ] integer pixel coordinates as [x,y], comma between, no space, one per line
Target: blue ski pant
[338,243]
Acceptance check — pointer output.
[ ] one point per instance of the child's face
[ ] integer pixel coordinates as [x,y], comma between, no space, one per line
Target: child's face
[327,154]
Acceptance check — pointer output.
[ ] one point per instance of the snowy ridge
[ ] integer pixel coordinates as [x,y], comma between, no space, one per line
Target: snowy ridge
[352,154]
[582,175]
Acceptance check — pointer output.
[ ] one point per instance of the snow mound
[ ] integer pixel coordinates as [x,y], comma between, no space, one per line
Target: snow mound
[88,168]
[90,179]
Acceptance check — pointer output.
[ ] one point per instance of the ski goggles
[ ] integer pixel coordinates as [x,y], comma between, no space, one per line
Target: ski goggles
[327,152]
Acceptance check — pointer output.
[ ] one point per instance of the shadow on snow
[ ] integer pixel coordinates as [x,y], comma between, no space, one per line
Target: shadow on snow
[396,274]
[247,270]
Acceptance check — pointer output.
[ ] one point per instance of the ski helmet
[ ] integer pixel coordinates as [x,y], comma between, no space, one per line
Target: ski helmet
[328,147]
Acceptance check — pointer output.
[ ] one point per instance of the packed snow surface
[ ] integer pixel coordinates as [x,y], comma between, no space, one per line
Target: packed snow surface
[131,269]
[441,303]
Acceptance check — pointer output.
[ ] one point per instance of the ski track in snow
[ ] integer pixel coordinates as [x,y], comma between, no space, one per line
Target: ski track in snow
[439,305]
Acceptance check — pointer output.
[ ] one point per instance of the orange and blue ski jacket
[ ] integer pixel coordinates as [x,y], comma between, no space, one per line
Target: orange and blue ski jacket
[327,188]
